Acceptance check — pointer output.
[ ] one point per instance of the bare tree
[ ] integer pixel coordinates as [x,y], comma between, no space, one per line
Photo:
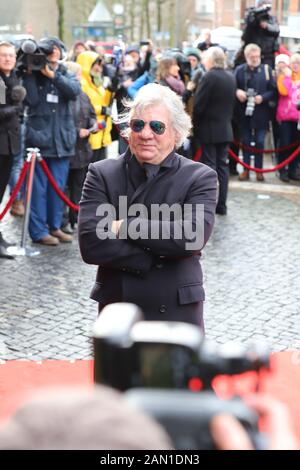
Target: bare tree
[61,18]
[147,17]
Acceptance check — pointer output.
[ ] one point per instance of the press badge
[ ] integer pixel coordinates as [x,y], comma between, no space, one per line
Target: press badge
[52,98]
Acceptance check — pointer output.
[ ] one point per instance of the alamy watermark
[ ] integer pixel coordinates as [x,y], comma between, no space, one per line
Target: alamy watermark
[159,222]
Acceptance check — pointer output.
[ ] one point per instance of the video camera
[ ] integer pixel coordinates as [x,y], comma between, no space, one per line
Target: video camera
[32,55]
[161,364]
[255,15]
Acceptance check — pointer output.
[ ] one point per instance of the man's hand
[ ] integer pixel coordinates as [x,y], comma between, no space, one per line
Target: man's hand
[48,72]
[258,99]
[191,86]
[83,133]
[263,24]
[229,434]
[241,95]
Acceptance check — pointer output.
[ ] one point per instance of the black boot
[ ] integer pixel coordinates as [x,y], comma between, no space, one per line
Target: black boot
[3,248]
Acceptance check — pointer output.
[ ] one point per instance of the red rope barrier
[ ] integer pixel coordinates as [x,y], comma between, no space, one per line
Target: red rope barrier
[265,170]
[256,150]
[198,155]
[16,189]
[56,188]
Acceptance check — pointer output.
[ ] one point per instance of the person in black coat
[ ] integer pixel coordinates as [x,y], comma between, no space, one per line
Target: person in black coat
[262,28]
[145,217]
[212,115]
[85,120]
[11,96]
[50,127]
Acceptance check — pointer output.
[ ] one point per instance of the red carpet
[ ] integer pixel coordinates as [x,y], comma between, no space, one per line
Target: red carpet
[19,378]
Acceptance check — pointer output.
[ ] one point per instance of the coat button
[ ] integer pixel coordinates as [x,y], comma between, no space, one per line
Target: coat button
[162,309]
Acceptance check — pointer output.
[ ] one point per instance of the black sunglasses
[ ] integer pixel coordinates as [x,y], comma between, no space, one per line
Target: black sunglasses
[137,125]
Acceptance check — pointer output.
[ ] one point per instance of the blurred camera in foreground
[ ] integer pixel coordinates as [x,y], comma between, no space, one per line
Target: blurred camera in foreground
[161,364]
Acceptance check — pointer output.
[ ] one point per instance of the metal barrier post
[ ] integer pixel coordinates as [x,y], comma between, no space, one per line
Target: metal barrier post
[32,155]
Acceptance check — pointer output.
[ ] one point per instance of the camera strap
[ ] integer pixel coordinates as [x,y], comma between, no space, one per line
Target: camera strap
[267,73]
[250,77]
[2,91]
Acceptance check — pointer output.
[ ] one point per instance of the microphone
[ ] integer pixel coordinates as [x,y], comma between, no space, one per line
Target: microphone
[18,94]
[98,126]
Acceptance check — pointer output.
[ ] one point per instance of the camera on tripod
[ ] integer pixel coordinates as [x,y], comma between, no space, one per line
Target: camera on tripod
[161,364]
[250,106]
[255,15]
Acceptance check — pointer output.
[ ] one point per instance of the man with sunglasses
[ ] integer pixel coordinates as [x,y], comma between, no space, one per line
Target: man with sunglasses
[145,217]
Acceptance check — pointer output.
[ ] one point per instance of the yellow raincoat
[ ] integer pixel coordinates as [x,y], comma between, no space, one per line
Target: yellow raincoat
[99,97]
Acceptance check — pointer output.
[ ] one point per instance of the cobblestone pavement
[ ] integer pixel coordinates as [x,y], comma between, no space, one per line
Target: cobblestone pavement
[252,282]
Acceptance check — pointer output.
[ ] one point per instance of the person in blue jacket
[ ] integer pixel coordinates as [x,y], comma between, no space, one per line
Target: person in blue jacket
[50,127]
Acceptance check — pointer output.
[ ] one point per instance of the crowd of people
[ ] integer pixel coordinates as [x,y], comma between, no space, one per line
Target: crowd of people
[65,108]
[88,90]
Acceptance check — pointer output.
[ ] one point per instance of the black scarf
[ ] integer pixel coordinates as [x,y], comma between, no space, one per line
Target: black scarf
[10,81]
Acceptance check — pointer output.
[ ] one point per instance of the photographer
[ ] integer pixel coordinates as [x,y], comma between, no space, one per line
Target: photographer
[50,127]
[262,28]
[11,97]
[256,88]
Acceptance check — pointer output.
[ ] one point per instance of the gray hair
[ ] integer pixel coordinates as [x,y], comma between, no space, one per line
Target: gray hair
[251,48]
[217,56]
[154,94]
[7,44]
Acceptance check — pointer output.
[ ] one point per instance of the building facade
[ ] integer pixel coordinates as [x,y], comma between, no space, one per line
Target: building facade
[188,18]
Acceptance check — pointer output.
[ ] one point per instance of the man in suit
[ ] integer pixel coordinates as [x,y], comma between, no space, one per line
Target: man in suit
[145,217]
[214,102]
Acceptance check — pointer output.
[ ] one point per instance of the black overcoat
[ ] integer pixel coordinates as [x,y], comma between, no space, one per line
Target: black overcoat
[162,276]
[214,102]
